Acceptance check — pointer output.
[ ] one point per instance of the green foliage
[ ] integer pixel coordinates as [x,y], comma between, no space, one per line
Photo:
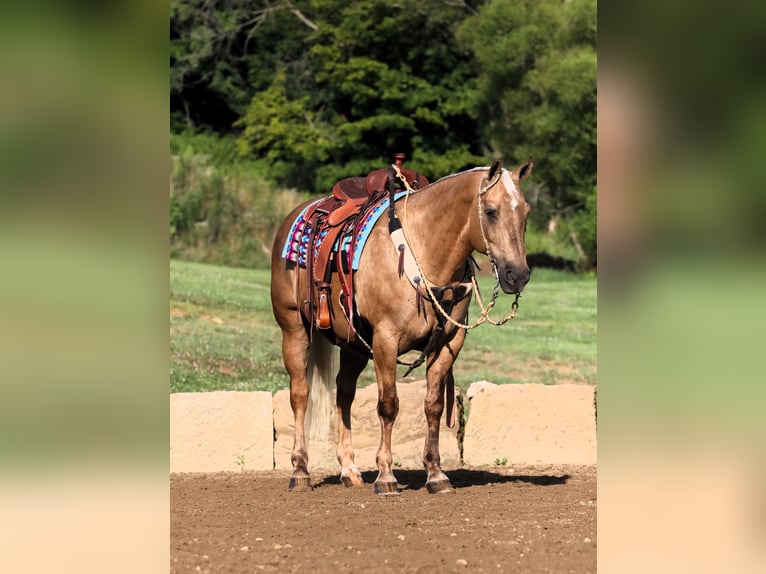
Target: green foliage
[284,132]
[316,90]
[383,78]
[583,225]
[210,147]
[221,51]
[222,211]
[537,94]
[556,244]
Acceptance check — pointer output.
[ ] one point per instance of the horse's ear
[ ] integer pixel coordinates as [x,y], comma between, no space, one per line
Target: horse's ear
[526,170]
[496,165]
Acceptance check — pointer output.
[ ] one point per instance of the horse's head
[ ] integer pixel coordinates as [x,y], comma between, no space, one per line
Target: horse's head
[503,215]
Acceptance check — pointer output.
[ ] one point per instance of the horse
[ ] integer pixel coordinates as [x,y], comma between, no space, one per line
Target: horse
[481,209]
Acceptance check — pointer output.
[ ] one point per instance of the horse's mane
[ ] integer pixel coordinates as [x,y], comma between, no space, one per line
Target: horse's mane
[450,176]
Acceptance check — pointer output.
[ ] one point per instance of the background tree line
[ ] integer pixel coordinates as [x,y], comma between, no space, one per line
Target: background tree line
[296,94]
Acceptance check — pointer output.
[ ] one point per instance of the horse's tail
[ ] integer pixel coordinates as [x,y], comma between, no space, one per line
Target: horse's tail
[320,415]
[320,363]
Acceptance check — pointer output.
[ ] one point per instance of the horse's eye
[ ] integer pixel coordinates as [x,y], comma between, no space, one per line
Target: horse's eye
[491,214]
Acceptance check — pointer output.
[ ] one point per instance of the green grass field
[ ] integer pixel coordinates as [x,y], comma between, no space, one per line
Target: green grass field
[223,335]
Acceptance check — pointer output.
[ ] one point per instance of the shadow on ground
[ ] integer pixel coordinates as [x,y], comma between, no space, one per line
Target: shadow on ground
[461,478]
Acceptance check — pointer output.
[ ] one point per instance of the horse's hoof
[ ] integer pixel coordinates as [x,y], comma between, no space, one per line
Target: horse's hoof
[440,487]
[300,483]
[352,480]
[387,488]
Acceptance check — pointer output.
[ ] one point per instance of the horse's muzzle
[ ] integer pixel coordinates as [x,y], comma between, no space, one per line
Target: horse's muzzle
[512,278]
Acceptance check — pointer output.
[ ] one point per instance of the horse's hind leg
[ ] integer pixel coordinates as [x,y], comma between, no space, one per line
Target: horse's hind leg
[351,366]
[439,372]
[295,355]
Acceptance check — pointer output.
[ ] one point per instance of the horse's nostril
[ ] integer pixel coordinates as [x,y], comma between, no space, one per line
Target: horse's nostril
[516,277]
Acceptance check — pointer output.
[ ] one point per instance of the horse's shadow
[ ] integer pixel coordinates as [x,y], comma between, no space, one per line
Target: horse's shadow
[460,478]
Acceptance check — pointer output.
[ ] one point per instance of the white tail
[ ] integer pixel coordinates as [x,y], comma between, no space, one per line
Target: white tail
[321,419]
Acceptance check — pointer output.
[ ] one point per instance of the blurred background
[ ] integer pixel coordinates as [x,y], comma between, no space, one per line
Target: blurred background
[681,137]
[83,286]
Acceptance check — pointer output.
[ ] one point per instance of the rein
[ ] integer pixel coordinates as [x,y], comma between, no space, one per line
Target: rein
[485,310]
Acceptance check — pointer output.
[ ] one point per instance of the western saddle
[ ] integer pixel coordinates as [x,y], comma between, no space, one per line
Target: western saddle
[339,214]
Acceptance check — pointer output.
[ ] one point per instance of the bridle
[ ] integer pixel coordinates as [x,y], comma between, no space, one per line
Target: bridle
[485,310]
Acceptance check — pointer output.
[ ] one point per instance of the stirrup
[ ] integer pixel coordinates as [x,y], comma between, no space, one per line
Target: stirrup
[323,313]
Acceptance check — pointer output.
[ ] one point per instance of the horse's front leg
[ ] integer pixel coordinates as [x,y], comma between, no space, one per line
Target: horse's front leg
[438,374]
[351,366]
[384,357]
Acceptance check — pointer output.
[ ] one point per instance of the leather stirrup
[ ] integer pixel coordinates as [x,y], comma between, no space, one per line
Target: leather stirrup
[323,313]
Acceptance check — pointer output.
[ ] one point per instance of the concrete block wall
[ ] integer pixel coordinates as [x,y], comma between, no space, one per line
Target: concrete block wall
[526,424]
[531,424]
[209,432]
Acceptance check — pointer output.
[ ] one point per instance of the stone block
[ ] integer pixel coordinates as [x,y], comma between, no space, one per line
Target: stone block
[209,432]
[283,430]
[531,424]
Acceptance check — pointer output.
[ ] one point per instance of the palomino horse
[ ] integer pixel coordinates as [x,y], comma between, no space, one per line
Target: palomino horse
[481,209]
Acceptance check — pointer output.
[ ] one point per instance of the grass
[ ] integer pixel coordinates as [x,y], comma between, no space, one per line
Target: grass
[223,335]
[551,340]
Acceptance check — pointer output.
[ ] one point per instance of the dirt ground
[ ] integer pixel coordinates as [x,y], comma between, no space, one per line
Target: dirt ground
[525,519]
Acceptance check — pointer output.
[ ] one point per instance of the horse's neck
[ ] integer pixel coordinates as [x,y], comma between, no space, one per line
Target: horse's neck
[437,223]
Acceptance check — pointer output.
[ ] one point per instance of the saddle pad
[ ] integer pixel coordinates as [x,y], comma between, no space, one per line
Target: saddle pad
[296,245]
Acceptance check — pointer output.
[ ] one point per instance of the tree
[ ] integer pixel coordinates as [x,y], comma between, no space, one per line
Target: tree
[317,90]
[537,96]
[379,78]
[221,51]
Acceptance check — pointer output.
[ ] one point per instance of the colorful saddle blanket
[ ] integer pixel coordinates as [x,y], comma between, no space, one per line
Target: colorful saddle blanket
[296,245]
